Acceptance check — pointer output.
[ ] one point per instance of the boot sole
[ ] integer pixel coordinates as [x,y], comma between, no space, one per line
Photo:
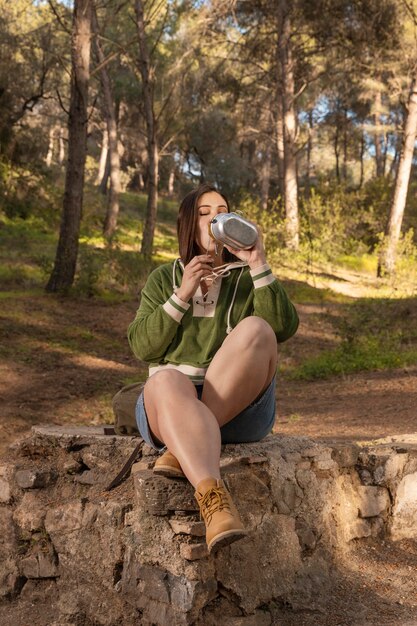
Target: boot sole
[168,472]
[225,539]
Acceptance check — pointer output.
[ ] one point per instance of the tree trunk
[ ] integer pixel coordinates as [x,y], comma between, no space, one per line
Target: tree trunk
[112,213]
[362,154]
[151,134]
[379,138]
[104,181]
[345,144]
[171,180]
[399,122]
[280,141]
[336,148]
[265,176]
[63,273]
[307,189]
[289,124]
[103,158]
[50,154]
[387,258]
[61,155]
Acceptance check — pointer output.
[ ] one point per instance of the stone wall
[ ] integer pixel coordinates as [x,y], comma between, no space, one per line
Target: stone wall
[136,555]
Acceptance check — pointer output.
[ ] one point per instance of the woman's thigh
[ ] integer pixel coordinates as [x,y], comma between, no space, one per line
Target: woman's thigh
[163,392]
[241,370]
[255,421]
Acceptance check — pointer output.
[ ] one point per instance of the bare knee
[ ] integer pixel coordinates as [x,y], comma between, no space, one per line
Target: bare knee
[166,383]
[255,332]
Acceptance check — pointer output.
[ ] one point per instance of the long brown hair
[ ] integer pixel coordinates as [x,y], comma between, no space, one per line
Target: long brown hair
[187,221]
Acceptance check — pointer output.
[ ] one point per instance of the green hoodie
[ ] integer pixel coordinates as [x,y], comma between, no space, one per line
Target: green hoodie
[170,333]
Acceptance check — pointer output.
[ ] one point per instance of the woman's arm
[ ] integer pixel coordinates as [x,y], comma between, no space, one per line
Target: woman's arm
[157,320]
[271,302]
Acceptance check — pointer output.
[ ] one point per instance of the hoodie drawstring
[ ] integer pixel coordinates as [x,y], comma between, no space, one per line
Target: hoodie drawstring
[229,328]
[222,270]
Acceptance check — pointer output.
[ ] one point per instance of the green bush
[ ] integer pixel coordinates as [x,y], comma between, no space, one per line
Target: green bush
[100,270]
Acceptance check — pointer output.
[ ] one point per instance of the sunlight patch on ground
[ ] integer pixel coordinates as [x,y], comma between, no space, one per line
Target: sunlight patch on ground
[350,283]
[86,360]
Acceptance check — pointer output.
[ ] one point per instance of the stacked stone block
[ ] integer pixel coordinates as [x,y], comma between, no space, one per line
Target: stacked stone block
[137,555]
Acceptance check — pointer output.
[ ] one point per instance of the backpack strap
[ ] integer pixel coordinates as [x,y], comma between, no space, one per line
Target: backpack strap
[125,471]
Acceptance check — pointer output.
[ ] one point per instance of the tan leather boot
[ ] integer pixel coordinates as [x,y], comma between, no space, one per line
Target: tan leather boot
[167,465]
[223,524]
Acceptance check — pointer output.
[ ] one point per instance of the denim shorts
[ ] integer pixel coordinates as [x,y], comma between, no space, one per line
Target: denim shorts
[252,424]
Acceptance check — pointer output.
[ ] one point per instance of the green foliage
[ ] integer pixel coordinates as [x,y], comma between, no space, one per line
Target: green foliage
[111,269]
[374,334]
[28,193]
[404,277]
[371,355]
[337,225]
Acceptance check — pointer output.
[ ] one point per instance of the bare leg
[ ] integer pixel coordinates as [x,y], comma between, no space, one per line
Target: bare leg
[184,424]
[241,370]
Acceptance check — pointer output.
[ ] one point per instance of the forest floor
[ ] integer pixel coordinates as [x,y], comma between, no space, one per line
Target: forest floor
[63,358]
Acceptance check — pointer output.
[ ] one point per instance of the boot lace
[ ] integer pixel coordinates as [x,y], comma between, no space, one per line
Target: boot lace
[214,500]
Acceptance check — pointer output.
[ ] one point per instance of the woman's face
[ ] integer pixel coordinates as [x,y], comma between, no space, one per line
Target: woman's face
[209,205]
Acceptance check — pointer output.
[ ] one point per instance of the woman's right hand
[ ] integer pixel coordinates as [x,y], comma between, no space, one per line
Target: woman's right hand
[197,268]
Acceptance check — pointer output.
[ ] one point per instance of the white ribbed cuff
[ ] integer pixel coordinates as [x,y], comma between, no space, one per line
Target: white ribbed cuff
[262,276]
[175,307]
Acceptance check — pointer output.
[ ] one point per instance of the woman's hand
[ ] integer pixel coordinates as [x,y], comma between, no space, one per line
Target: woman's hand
[255,256]
[197,268]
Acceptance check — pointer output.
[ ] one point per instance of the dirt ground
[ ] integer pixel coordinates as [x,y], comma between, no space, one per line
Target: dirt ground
[62,360]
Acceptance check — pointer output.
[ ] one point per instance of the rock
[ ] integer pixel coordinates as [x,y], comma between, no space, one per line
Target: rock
[65,518]
[391,473]
[272,551]
[149,451]
[260,618]
[29,515]
[159,495]
[372,501]
[33,479]
[97,456]
[72,466]
[88,477]
[128,555]
[246,487]
[9,574]
[291,495]
[8,531]
[39,566]
[10,579]
[141,465]
[167,599]
[305,478]
[307,537]
[5,488]
[366,477]
[236,461]
[359,529]
[193,551]
[37,590]
[404,512]
[345,455]
[188,527]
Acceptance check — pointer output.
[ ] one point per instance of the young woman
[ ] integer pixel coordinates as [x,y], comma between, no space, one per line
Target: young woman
[209,334]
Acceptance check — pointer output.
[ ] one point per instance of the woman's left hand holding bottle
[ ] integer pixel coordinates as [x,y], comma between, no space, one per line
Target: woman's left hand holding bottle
[255,256]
